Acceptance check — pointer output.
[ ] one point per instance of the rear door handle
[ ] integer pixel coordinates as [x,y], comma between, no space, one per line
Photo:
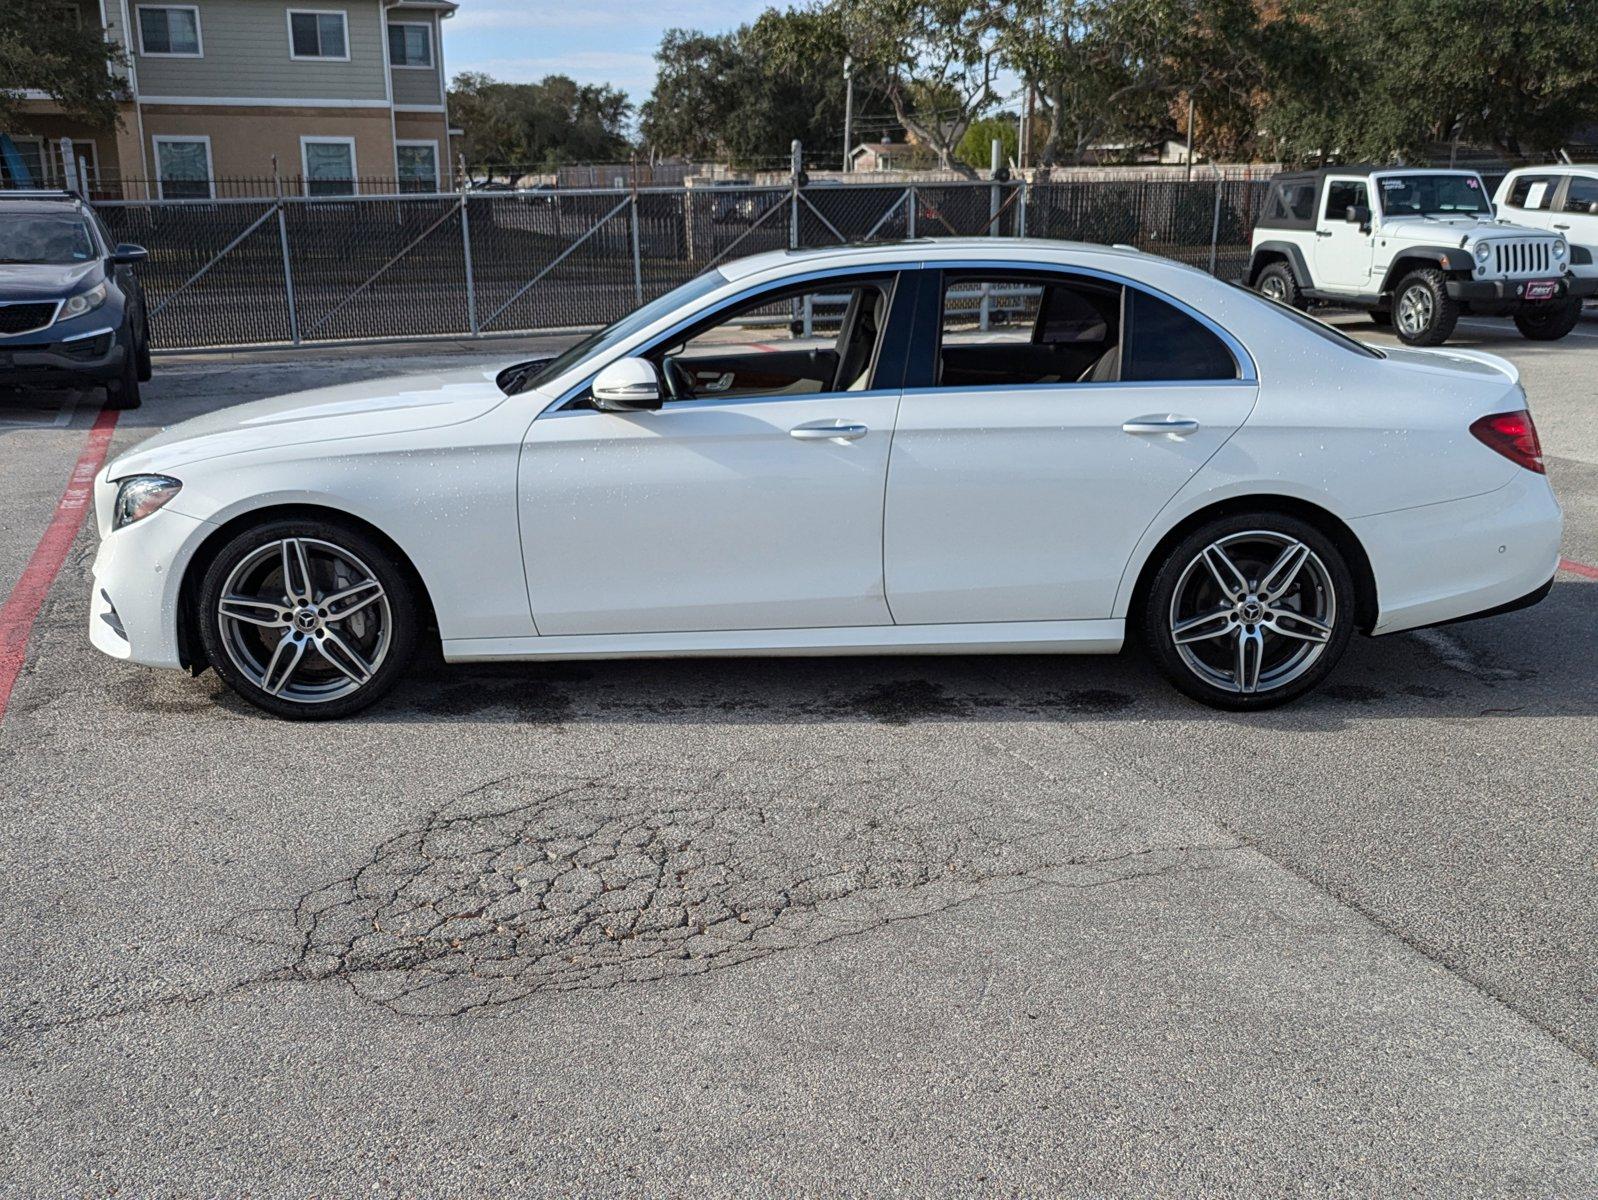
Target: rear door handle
[826,431]
[1178,426]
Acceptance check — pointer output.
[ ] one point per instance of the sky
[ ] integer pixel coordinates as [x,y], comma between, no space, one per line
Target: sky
[592,41]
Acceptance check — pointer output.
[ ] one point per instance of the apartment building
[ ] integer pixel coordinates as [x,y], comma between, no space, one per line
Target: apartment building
[347,95]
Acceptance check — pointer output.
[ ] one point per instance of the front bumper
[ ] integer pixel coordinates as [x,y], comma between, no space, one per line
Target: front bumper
[61,357]
[138,576]
[1513,291]
[1462,558]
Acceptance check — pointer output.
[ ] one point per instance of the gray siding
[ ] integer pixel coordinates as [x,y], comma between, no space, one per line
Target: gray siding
[246,45]
[412,85]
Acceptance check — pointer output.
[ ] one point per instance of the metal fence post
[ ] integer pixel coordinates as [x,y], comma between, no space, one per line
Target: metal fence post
[283,244]
[910,222]
[1215,224]
[638,262]
[466,253]
[1020,207]
[796,157]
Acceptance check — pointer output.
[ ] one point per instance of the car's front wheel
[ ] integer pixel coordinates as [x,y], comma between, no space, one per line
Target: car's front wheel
[307,619]
[1423,312]
[1548,322]
[123,391]
[1249,611]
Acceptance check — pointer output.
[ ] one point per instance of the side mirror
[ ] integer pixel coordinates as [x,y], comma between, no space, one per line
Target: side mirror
[1592,208]
[627,385]
[126,254]
[1357,214]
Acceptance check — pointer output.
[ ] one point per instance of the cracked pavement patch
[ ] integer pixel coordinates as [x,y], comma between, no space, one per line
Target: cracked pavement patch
[596,883]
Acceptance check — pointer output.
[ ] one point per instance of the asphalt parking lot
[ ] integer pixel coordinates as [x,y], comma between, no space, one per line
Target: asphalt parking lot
[982,925]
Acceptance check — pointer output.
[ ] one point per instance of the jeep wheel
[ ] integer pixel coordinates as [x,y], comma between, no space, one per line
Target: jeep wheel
[1423,314]
[1548,322]
[1277,282]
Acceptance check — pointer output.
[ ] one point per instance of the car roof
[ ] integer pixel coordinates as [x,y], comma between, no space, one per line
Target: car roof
[37,204]
[1370,169]
[1555,168]
[933,250]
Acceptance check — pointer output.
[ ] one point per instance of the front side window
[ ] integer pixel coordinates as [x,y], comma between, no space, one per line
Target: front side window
[45,238]
[1432,196]
[797,342]
[318,35]
[410,45]
[1343,194]
[1535,192]
[1003,330]
[184,166]
[329,168]
[1582,195]
[418,167]
[169,31]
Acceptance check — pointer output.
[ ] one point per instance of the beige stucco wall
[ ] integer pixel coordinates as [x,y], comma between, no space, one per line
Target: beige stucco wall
[243,140]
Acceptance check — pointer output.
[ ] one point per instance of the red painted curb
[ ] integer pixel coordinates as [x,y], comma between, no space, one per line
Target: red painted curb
[22,607]
[1576,568]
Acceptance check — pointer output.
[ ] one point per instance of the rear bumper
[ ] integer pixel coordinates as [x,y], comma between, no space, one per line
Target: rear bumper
[1463,558]
[1512,291]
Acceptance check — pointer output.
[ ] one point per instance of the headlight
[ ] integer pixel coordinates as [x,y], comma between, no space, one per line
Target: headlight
[1483,252]
[84,302]
[140,495]
[1560,249]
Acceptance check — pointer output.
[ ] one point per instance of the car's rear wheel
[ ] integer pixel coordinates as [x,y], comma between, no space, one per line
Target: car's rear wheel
[1277,282]
[307,619]
[123,391]
[1423,313]
[1250,611]
[1548,322]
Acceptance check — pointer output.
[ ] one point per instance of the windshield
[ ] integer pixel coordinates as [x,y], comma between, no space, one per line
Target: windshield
[45,238]
[1433,196]
[1319,328]
[604,339]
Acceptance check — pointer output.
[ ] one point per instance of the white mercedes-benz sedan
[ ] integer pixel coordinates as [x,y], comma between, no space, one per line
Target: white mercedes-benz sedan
[974,445]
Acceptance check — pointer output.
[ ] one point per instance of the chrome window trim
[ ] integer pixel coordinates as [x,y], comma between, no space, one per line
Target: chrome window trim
[1248,373]
[55,316]
[712,309]
[706,402]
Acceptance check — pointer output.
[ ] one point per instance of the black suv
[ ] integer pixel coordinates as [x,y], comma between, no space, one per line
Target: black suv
[71,310]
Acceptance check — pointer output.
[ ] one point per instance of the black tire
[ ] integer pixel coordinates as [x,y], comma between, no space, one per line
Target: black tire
[1277,282]
[146,368]
[123,391]
[1548,322]
[1435,314]
[1382,318]
[1298,664]
[310,691]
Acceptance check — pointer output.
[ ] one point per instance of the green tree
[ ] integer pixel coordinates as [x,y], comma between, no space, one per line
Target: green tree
[538,125]
[977,144]
[43,46]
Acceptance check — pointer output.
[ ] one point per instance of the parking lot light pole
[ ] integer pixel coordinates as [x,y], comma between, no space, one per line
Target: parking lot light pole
[848,108]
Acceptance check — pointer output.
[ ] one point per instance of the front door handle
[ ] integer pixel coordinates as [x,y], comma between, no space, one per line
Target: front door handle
[1323,233]
[1174,425]
[826,431]
[1561,226]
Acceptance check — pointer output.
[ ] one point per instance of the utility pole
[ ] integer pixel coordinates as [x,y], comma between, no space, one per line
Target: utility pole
[1023,148]
[848,109]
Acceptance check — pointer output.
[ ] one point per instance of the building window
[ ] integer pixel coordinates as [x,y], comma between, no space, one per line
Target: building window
[183,166]
[329,165]
[410,45]
[169,32]
[418,166]
[318,34]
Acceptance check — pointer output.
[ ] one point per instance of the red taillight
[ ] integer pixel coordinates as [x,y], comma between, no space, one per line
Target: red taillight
[1514,436]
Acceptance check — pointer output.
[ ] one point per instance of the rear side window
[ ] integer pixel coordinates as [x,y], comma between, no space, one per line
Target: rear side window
[1292,201]
[1581,195]
[1164,343]
[1535,192]
[1003,330]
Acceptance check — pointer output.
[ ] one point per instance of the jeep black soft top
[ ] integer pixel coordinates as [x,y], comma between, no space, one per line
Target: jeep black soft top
[1291,202]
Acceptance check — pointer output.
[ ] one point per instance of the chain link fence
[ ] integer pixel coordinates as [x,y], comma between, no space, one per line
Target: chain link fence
[471,264]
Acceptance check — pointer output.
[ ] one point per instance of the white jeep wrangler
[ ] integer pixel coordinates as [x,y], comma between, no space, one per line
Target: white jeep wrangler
[1416,247]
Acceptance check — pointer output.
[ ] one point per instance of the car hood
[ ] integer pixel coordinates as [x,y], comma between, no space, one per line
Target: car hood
[45,281]
[351,410]
[1476,228]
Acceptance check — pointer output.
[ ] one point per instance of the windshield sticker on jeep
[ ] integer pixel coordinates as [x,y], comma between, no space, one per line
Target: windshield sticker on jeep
[1390,184]
[1472,184]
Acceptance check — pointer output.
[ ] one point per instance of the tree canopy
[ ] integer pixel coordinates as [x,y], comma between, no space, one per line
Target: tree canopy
[538,125]
[44,48]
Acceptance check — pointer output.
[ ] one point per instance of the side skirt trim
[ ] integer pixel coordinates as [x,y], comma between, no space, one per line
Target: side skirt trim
[1001,637]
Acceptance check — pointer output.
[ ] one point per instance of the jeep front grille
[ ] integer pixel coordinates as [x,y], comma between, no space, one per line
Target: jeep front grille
[1533,256]
[26,317]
